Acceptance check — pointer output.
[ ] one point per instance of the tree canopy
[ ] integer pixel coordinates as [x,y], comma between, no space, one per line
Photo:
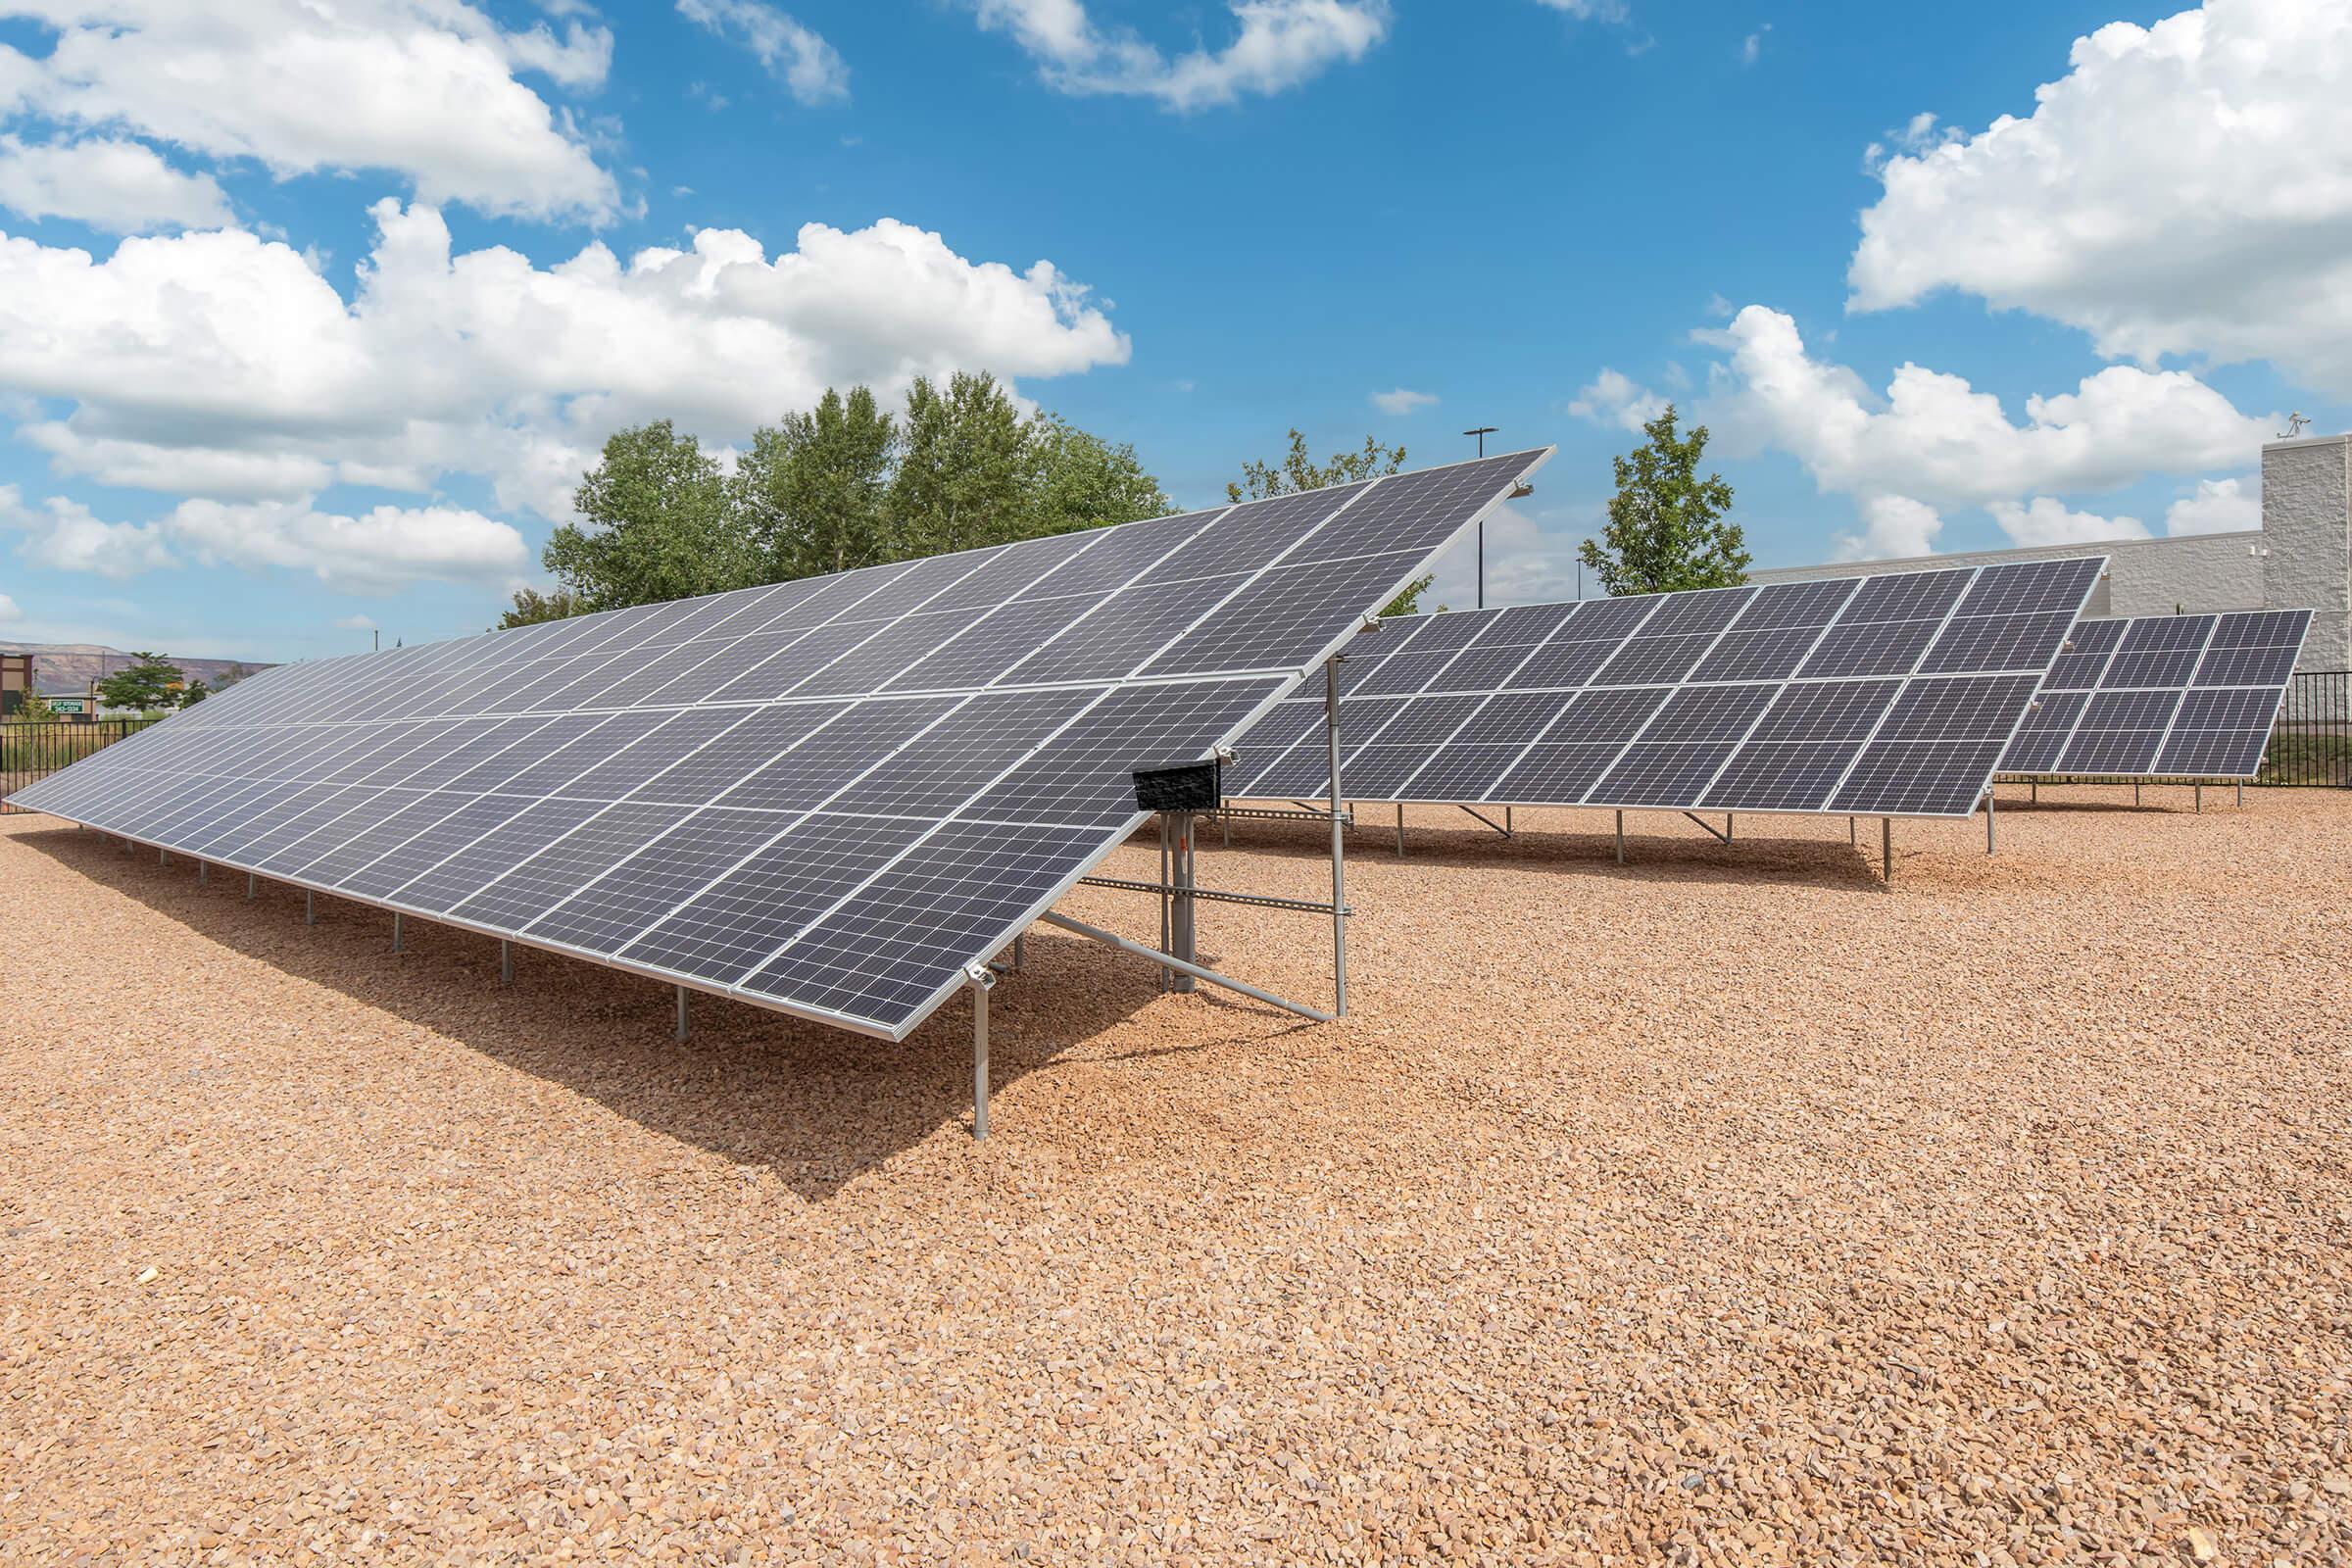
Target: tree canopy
[1666,530]
[1296,471]
[149,682]
[842,485]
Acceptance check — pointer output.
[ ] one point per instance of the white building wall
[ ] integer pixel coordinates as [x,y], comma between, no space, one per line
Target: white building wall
[2307,527]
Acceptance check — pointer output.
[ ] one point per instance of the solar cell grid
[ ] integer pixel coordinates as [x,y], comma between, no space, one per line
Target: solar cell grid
[1783,605]
[609,912]
[2163,697]
[736,922]
[1479,668]
[1708,610]
[1645,660]
[1563,664]
[1708,713]
[1781,698]
[1664,774]
[1380,769]
[728,791]
[2271,666]
[1770,654]
[1268,624]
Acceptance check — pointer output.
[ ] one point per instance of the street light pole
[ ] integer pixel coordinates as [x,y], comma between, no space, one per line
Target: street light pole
[1482,432]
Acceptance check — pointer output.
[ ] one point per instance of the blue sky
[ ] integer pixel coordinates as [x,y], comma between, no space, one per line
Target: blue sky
[296,343]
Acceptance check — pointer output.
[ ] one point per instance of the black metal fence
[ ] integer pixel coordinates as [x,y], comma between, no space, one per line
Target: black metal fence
[2313,743]
[29,751]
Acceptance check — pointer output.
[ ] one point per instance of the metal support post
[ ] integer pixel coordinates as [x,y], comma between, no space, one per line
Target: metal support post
[1887,850]
[1851,831]
[1339,847]
[2201,797]
[2135,791]
[1182,924]
[204,871]
[1727,827]
[1167,914]
[506,961]
[1400,830]
[1020,949]
[1620,838]
[2241,793]
[681,1030]
[1506,822]
[396,931]
[162,857]
[2034,786]
[249,887]
[981,979]
[1988,800]
[1226,822]
[310,907]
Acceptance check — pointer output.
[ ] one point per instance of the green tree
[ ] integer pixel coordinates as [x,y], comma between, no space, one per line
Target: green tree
[968,469]
[33,709]
[532,607]
[145,685]
[196,691]
[813,489]
[1298,471]
[841,486]
[1666,530]
[655,525]
[1084,481]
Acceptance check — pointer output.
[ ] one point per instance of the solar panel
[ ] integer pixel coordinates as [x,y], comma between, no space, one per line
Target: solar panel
[1891,694]
[827,797]
[2163,697]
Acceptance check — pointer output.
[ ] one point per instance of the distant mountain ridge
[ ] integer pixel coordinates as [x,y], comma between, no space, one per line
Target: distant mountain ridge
[63,668]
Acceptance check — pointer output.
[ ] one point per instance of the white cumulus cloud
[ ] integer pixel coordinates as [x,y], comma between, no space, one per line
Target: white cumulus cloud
[380,550]
[1931,441]
[8,612]
[1589,10]
[809,68]
[1613,397]
[2045,520]
[64,536]
[1277,45]
[108,182]
[1400,401]
[2216,505]
[426,88]
[2183,189]
[376,552]
[220,364]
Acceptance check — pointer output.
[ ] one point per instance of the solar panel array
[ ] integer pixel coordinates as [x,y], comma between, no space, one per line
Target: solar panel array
[2163,697]
[826,796]
[1893,695]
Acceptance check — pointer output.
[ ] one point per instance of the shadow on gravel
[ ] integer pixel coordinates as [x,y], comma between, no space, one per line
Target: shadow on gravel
[2220,802]
[816,1106]
[1754,854]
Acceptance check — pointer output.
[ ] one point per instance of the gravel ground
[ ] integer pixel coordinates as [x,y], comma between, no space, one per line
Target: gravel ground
[1722,1208]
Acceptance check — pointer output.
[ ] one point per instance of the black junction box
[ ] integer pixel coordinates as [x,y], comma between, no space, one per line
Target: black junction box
[1179,787]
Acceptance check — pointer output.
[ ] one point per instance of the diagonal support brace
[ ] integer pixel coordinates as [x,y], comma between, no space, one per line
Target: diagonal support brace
[1719,838]
[1112,939]
[1503,827]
